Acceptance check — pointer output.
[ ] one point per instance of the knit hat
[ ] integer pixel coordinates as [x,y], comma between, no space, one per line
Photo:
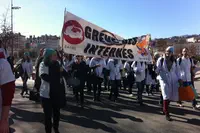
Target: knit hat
[170,49]
[26,54]
[48,52]
[2,53]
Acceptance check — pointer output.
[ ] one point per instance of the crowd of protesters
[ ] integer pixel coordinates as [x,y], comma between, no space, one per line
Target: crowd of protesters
[55,71]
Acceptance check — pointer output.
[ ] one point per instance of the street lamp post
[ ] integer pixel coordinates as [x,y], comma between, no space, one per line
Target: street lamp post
[12,27]
[12,34]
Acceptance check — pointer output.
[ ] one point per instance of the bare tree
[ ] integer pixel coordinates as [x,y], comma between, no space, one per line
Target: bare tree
[161,44]
[5,32]
[192,50]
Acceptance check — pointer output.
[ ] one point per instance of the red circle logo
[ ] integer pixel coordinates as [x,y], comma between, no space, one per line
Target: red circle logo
[73,32]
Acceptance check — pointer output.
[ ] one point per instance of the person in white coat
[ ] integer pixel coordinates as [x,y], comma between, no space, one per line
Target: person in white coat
[27,67]
[97,64]
[115,68]
[7,89]
[52,92]
[187,74]
[169,78]
[129,75]
[139,73]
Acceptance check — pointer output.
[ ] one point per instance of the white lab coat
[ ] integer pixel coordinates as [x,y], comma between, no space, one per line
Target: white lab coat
[28,67]
[87,61]
[168,80]
[99,70]
[115,73]
[139,71]
[6,76]
[68,64]
[45,86]
[185,69]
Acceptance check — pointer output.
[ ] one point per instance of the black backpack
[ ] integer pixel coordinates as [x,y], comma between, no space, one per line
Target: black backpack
[162,61]
[192,73]
[140,62]
[18,71]
[180,60]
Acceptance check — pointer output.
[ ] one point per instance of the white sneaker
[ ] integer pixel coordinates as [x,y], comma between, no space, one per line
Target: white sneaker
[147,94]
[180,105]
[198,106]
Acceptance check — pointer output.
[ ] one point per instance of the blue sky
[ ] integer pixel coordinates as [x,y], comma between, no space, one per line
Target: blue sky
[127,18]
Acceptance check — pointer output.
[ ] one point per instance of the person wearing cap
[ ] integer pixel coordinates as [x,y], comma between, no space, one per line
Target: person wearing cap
[7,89]
[169,78]
[27,67]
[51,91]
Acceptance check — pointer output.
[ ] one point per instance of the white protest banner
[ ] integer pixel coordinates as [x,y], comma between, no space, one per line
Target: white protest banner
[80,37]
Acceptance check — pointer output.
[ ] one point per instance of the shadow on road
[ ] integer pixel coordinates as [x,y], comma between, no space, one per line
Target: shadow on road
[27,116]
[86,122]
[95,114]
[89,116]
[189,121]
[10,123]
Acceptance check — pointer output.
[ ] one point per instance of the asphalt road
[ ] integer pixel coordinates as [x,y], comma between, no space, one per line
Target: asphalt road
[125,116]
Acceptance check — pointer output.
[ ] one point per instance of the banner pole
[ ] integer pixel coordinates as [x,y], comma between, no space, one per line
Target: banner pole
[62,29]
[62,43]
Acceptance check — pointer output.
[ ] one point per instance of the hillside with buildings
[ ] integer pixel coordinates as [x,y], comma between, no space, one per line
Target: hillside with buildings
[192,42]
[32,43]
